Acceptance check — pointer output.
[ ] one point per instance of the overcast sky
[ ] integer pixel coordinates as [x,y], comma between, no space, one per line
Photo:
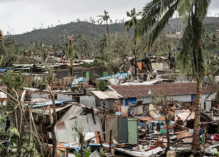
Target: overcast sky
[24,15]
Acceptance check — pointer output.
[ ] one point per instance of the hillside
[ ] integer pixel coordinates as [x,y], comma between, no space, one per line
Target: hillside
[57,34]
[93,31]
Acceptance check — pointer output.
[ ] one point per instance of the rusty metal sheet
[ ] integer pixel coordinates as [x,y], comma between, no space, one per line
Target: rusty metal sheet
[124,111]
[60,126]
[111,124]
[183,136]
[187,140]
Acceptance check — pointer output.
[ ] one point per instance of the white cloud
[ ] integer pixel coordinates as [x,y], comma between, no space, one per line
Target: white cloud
[24,15]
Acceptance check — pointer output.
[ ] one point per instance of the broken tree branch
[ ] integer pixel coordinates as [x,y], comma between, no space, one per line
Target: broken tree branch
[54,123]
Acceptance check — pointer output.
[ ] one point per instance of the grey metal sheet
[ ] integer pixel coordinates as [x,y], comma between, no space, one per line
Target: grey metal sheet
[122,126]
[111,124]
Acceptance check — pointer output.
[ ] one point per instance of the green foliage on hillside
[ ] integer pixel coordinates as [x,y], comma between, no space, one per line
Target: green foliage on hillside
[58,34]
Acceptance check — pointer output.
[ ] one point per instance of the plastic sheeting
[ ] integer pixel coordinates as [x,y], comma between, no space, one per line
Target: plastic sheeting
[3,95]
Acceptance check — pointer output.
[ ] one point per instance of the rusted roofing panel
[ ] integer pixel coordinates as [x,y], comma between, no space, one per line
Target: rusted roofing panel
[171,89]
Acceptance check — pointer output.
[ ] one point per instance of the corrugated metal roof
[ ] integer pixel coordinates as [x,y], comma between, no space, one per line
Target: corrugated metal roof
[171,89]
[107,95]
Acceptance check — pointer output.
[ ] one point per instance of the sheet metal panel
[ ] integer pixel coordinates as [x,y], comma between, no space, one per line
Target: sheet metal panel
[111,124]
[132,131]
[64,97]
[88,101]
[86,123]
[122,126]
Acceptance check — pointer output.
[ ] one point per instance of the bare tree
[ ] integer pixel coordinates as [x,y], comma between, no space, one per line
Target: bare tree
[53,123]
[162,104]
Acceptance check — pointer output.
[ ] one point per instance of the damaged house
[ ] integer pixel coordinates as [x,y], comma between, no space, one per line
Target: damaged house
[185,92]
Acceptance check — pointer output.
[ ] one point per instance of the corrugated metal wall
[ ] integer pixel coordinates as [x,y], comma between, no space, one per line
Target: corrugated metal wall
[122,126]
[64,97]
[39,95]
[88,101]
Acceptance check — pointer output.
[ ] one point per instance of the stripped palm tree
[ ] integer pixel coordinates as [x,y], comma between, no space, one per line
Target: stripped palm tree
[1,46]
[135,24]
[71,54]
[105,18]
[1,35]
[193,12]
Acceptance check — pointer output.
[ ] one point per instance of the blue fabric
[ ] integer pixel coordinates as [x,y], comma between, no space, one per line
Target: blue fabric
[201,131]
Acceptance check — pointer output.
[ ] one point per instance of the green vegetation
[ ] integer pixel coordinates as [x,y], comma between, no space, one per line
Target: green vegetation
[114,46]
[193,14]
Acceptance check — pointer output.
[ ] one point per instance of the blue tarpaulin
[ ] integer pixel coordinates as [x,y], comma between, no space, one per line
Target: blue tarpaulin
[76,81]
[119,75]
[48,103]
[4,70]
[132,100]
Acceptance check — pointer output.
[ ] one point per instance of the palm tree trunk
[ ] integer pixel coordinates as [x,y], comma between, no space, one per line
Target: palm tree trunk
[72,69]
[135,51]
[196,142]
[107,27]
[168,134]
[54,140]
[135,63]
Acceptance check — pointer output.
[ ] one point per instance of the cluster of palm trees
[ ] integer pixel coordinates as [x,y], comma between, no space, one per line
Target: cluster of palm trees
[193,12]
[156,15]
